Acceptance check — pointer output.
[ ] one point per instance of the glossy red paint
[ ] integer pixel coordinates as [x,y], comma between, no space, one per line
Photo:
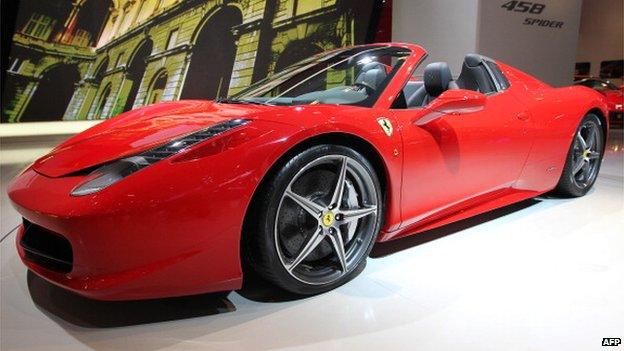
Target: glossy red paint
[174,227]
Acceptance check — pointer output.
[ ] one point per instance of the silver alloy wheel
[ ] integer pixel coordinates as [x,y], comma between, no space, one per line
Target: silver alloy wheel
[586,156]
[326,219]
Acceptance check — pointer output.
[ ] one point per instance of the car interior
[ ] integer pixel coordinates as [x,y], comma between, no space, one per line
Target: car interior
[477,74]
[371,77]
[369,82]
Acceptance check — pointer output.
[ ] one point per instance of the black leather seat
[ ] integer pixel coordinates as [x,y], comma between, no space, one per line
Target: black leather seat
[411,88]
[474,75]
[372,75]
[438,79]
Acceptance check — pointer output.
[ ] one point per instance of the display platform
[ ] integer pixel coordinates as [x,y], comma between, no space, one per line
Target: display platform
[530,276]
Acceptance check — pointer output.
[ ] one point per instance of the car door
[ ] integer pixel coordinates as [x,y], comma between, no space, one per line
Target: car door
[458,159]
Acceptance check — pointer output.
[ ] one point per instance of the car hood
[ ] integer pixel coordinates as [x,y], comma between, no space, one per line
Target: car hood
[139,130]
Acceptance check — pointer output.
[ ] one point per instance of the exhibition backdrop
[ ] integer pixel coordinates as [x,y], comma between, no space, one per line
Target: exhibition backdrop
[93,59]
[539,37]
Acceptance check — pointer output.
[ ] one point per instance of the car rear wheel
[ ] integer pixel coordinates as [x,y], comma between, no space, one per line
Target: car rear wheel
[315,222]
[584,158]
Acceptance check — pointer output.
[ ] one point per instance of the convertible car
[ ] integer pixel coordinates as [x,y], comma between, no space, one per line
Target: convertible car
[294,178]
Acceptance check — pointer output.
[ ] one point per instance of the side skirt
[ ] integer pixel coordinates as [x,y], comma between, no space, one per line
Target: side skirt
[461,211]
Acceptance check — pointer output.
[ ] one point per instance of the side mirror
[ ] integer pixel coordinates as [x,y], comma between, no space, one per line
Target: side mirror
[453,102]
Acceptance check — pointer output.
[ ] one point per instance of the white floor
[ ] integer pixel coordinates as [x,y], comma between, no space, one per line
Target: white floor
[543,275]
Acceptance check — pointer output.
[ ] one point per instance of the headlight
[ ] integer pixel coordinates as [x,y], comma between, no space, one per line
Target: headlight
[111,173]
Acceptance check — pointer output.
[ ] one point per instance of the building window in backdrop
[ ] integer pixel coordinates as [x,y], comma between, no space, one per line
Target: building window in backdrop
[16,65]
[119,59]
[305,6]
[81,38]
[159,5]
[173,39]
[157,88]
[39,26]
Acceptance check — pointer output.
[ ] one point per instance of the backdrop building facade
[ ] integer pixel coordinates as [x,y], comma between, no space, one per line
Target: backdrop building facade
[93,59]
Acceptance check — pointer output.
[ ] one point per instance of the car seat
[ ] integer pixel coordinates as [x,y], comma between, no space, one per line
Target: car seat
[438,79]
[474,75]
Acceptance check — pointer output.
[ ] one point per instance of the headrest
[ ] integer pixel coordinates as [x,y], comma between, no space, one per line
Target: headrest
[437,78]
[473,60]
[372,74]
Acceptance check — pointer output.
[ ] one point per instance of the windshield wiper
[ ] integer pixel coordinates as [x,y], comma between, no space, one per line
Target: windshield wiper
[238,101]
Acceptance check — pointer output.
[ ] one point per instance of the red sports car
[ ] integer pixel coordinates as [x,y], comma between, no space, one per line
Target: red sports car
[296,177]
[613,95]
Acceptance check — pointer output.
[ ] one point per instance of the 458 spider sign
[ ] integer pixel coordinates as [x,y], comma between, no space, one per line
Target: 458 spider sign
[532,8]
[524,6]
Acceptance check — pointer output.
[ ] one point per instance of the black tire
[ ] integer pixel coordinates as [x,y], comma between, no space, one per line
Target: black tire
[270,245]
[575,182]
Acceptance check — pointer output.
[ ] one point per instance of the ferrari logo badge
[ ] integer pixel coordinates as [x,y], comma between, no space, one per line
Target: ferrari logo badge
[386,125]
[328,219]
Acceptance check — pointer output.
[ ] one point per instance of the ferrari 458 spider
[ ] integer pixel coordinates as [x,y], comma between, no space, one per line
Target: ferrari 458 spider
[614,97]
[296,177]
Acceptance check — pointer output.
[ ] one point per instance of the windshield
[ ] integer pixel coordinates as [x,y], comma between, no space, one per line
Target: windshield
[353,76]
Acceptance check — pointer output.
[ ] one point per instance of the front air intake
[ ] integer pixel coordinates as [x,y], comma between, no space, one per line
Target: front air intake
[46,248]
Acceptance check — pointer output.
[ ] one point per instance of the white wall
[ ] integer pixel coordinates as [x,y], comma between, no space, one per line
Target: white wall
[447,29]
[600,37]
[548,53]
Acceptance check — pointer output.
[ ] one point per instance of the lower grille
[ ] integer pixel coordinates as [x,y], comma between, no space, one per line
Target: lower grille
[46,248]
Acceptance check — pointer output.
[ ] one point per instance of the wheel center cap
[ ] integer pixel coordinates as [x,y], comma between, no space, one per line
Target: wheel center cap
[328,219]
[586,153]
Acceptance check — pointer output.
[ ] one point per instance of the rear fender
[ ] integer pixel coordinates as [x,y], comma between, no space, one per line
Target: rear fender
[556,114]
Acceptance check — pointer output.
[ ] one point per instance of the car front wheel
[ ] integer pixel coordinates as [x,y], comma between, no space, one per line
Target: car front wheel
[316,221]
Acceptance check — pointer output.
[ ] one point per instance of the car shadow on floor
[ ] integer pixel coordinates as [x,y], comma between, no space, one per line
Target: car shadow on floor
[259,290]
[390,247]
[88,313]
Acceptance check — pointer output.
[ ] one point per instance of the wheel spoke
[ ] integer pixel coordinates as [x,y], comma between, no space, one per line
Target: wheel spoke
[593,155]
[585,170]
[310,206]
[340,184]
[591,138]
[336,238]
[353,215]
[580,139]
[578,166]
[307,249]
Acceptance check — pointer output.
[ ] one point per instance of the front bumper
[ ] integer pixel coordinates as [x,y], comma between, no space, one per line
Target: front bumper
[145,237]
